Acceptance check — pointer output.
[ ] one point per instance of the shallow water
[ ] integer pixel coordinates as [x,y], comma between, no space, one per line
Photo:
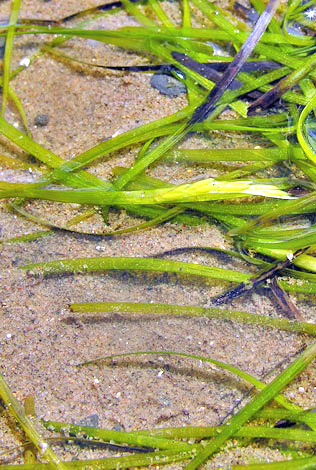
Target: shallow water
[42,340]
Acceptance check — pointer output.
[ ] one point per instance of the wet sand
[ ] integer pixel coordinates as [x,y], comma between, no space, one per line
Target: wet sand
[42,340]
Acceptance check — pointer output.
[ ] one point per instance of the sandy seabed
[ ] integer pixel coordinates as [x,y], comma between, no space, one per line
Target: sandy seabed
[42,340]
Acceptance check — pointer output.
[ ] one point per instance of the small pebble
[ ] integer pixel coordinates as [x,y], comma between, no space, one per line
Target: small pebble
[25,62]
[118,427]
[41,120]
[167,85]
[100,248]
[164,401]
[91,420]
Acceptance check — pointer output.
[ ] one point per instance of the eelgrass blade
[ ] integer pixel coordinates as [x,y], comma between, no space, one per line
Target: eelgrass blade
[246,171]
[97,308]
[276,414]
[208,72]
[249,410]
[154,129]
[304,261]
[297,39]
[137,135]
[27,238]
[82,179]
[250,432]
[159,219]
[205,109]
[161,14]
[261,432]
[202,432]
[284,85]
[223,365]
[16,100]
[202,111]
[14,15]
[152,156]
[199,156]
[223,210]
[274,25]
[300,204]
[168,435]
[120,437]
[132,9]
[265,275]
[204,190]
[227,33]
[285,301]
[82,265]
[304,463]
[28,427]
[186,14]
[302,133]
[113,463]
[14,163]
[291,240]
[94,444]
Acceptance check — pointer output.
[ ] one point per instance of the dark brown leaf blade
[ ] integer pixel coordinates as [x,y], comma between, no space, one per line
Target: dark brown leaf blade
[234,68]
